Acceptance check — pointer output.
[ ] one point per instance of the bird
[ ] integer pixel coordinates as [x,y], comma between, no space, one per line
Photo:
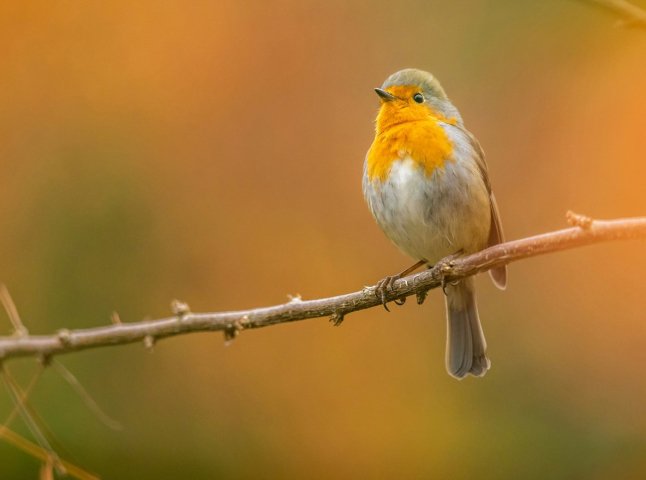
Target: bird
[426,183]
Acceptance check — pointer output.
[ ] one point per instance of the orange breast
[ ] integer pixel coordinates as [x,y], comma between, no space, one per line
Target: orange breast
[424,141]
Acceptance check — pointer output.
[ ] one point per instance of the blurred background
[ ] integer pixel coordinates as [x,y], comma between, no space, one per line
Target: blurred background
[212,152]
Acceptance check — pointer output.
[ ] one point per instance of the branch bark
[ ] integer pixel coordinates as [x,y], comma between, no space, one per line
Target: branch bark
[584,231]
[631,15]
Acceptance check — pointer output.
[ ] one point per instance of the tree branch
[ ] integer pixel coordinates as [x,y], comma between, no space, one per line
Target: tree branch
[631,15]
[584,231]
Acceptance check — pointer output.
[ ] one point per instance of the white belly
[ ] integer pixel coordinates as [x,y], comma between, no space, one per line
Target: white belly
[430,217]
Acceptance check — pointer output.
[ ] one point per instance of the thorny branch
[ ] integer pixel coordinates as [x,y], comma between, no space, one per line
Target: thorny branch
[584,231]
[631,15]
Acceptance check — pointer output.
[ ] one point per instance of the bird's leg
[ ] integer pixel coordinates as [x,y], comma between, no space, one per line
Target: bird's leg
[381,289]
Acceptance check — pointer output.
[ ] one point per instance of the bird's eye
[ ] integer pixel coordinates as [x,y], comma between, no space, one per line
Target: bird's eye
[418,97]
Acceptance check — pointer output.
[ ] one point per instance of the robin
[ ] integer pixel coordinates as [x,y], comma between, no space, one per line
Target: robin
[426,183]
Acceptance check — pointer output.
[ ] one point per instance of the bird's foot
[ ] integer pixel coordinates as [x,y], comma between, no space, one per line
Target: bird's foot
[382,287]
[446,269]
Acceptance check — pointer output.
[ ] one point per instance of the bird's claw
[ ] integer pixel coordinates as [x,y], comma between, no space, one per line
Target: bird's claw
[445,271]
[421,296]
[445,283]
[381,290]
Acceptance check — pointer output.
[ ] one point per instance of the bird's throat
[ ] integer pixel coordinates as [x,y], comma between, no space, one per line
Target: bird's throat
[424,141]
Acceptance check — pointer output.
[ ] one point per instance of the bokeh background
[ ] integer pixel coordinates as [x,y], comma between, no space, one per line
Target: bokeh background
[212,152]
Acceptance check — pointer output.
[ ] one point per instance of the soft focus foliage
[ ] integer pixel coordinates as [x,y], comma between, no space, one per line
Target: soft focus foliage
[212,152]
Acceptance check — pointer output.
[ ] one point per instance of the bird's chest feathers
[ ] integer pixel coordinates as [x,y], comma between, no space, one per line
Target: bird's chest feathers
[423,141]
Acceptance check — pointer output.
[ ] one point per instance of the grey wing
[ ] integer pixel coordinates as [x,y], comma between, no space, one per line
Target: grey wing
[496,236]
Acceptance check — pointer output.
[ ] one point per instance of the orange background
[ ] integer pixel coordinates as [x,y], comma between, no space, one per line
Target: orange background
[212,152]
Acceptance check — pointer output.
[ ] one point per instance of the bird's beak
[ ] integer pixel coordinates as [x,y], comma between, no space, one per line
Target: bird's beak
[384,95]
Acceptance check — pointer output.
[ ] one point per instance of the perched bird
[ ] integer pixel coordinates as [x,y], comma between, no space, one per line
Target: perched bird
[426,183]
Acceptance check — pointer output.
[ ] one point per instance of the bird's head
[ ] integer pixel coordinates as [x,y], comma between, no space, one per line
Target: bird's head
[410,95]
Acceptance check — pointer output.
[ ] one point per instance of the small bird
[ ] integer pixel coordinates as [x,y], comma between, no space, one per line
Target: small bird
[426,183]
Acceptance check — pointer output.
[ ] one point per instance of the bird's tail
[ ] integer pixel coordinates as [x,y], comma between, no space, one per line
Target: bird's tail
[465,343]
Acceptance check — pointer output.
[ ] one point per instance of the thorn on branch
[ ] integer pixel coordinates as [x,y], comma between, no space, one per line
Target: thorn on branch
[578,220]
[294,298]
[116,320]
[149,342]
[45,360]
[65,337]
[337,319]
[179,309]
[232,330]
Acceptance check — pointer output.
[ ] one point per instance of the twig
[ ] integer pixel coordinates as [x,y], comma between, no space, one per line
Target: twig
[25,394]
[631,15]
[19,399]
[85,396]
[19,328]
[36,451]
[585,232]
